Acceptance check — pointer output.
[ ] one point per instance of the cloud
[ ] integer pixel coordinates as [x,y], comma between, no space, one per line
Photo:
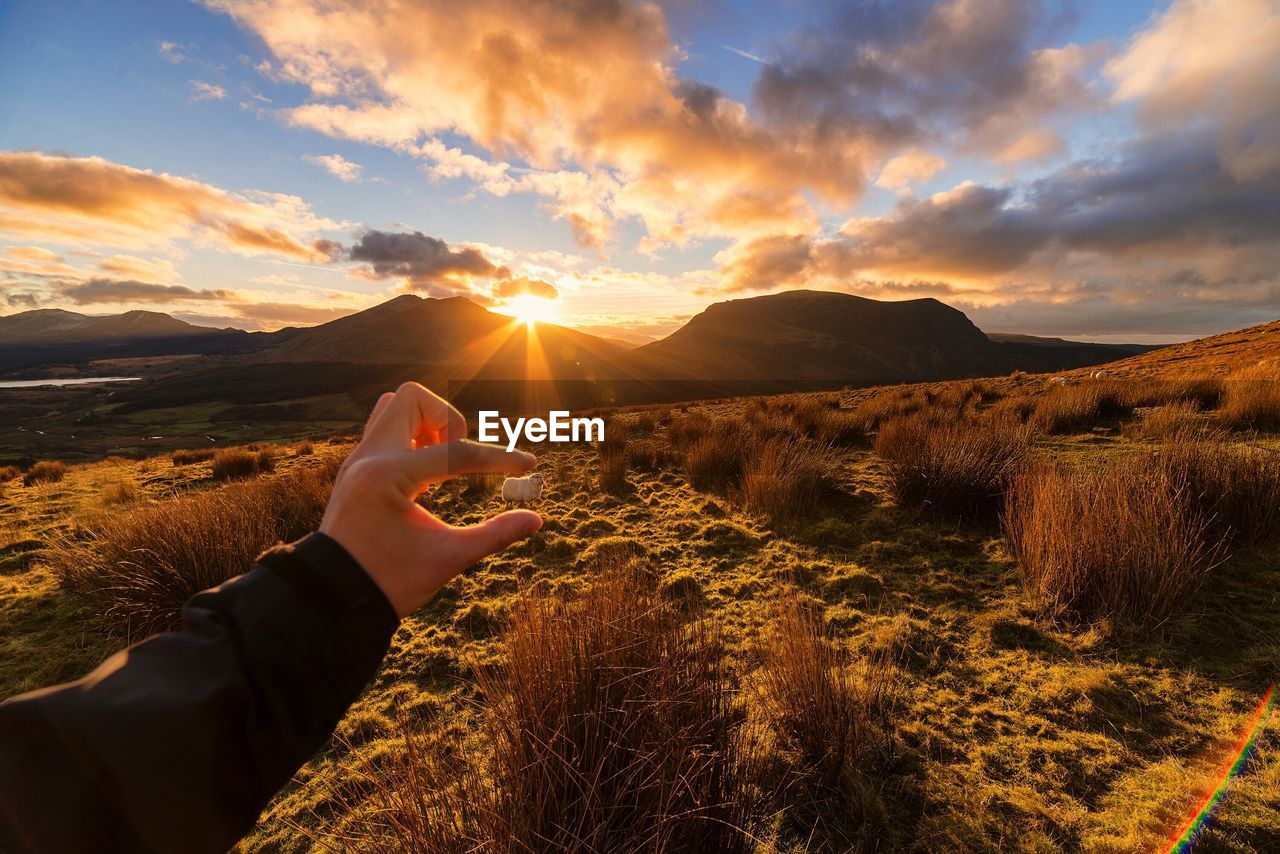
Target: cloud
[202,91]
[1210,61]
[337,165]
[978,74]
[21,300]
[423,263]
[522,285]
[88,200]
[274,314]
[586,97]
[1165,226]
[35,261]
[142,269]
[125,291]
[172,52]
[912,167]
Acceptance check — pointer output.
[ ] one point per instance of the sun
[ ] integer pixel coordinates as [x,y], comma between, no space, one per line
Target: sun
[530,309]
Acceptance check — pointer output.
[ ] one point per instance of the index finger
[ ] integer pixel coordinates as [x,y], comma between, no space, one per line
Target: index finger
[413,412]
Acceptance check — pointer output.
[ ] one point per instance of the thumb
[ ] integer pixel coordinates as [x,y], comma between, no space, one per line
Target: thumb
[493,535]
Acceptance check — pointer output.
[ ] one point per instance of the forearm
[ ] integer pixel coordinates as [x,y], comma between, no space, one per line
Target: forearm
[179,742]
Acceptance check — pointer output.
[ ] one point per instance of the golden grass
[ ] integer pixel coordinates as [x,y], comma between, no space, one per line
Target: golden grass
[951,466]
[45,471]
[187,456]
[8,473]
[1079,407]
[1126,542]
[1252,399]
[785,482]
[1166,422]
[1007,730]
[242,463]
[832,717]
[613,459]
[608,727]
[137,567]
[1236,486]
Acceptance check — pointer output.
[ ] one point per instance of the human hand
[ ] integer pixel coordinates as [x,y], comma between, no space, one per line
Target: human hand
[414,439]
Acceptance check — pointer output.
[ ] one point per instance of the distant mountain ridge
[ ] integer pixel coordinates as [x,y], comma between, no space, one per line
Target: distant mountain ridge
[46,326]
[797,338]
[38,339]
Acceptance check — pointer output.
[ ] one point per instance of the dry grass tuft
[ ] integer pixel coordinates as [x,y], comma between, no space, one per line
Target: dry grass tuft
[951,466]
[187,456]
[243,463]
[1252,400]
[118,493]
[816,417]
[1126,542]
[45,471]
[1166,422]
[1078,408]
[8,473]
[480,485]
[785,482]
[613,458]
[833,717]
[305,448]
[715,461]
[608,727]
[1236,486]
[137,567]
[1203,393]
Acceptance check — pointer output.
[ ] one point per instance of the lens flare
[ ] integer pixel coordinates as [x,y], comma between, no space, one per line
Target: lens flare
[1181,843]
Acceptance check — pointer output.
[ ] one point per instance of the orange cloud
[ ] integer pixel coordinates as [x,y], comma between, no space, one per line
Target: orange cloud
[910,168]
[79,200]
[589,85]
[1210,59]
[523,285]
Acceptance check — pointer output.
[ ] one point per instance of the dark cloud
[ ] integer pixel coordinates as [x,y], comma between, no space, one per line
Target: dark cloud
[1163,238]
[425,263]
[1165,198]
[24,301]
[508,288]
[911,71]
[113,290]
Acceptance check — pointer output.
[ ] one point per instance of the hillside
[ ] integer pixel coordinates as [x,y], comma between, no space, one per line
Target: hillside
[1215,356]
[814,335]
[828,337]
[447,332]
[1003,727]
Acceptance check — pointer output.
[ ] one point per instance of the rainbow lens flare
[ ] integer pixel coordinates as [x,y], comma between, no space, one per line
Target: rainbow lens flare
[1181,843]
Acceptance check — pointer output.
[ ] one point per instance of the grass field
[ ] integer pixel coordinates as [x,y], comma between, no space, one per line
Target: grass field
[984,720]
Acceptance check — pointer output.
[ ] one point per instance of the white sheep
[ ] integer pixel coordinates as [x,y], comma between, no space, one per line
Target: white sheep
[1099,375]
[522,490]
[1061,381]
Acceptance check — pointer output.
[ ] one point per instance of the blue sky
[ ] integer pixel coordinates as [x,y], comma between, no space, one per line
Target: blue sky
[763,165]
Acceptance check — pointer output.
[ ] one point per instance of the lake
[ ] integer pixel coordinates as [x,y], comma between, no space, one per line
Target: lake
[81,381]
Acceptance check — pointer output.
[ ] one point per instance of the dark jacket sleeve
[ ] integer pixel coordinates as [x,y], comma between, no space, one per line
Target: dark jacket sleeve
[177,743]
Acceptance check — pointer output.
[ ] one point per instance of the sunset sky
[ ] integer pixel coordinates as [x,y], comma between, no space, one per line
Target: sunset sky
[1099,170]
